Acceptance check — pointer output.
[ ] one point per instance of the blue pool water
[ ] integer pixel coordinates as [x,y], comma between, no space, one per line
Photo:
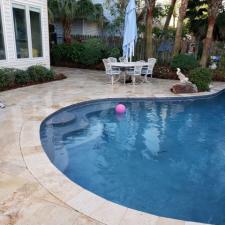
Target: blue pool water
[163,157]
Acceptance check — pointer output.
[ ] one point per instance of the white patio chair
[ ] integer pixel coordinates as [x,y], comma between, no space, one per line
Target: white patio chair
[148,70]
[112,59]
[123,59]
[136,71]
[111,71]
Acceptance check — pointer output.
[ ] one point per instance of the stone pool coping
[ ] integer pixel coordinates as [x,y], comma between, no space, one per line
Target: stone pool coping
[78,198]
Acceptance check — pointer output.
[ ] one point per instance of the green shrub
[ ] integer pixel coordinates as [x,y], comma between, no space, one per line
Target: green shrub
[75,51]
[11,77]
[59,53]
[114,52]
[94,51]
[202,77]
[21,77]
[184,62]
[40,73]
[66,52]
[7,78]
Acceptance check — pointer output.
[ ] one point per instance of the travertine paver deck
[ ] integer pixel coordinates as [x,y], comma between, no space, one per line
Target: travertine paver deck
[32,190]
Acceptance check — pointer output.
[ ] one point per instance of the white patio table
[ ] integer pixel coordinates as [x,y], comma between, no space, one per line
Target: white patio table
[126,65]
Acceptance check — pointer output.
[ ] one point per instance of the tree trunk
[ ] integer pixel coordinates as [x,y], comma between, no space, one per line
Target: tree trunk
[149,28]
[178,39]
[207,42]
[213,12]
[170,13]
[182,14]
[67,27]
[149,45]
[123,4]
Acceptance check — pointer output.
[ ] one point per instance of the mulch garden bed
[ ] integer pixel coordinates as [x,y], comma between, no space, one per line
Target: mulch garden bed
[57,77]
[219,75]
[160,71]
[165,72]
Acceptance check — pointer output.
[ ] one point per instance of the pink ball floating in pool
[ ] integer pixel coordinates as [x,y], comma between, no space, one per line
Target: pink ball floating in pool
[120,108]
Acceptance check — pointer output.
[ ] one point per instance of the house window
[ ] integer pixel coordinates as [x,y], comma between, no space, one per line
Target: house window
[36,35]
[2,44]
[20,25]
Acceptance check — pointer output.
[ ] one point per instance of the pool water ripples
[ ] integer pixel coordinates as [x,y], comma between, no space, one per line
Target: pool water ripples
[162,157]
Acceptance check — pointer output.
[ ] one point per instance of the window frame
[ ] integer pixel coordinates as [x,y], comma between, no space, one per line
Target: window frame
[23,7]
[3,31]
[37,10]
[28,8]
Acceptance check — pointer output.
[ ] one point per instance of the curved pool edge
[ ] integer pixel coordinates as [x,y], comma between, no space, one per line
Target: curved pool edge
[77,197]
[159,97]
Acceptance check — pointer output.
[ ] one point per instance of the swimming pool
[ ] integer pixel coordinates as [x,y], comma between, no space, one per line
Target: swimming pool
[165,157]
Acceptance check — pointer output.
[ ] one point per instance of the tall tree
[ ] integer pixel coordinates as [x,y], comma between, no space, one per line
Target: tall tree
[214,7]
[197,16]
[117,10]
[170,13]
[150,6]
[65,12]
[220,25]
[182,14]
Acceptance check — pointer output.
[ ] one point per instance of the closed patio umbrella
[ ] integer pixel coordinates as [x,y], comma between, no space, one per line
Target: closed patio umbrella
[130,30]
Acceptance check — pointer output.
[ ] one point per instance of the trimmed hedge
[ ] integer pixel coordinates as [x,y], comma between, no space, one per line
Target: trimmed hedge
[202,77]
[184,62]
[21,77]
[14,77]
[7,78]
[40,73]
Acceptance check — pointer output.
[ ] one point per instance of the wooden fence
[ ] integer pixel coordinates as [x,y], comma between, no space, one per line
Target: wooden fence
[116,42]
[110,41]
[163,56]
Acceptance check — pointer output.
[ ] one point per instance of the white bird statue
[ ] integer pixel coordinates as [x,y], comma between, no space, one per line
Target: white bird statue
[181,76]
[213,66]
[2,106]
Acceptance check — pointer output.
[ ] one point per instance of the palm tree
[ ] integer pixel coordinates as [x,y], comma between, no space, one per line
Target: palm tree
[65,11]
[86,10]
[50,12]
[182,14]
[98,16]
[214,7]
